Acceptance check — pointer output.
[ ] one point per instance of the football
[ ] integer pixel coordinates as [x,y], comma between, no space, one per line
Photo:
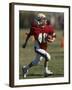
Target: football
[50,37]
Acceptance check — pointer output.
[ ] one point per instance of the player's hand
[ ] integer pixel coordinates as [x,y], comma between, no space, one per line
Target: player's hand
[24,45]
[51,40]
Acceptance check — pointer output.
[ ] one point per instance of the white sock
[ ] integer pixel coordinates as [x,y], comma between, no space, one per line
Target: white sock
[46,68]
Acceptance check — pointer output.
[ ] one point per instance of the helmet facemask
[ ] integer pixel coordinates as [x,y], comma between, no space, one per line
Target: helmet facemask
[41,19]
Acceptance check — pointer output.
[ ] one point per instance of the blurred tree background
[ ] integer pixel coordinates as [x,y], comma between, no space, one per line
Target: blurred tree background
[25,19]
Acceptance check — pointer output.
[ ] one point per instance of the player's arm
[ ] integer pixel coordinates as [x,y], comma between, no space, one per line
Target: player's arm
[27,38]
[52,37]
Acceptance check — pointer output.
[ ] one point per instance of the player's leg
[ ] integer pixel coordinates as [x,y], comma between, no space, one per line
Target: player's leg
[36,61]
[47,58]
[47,71]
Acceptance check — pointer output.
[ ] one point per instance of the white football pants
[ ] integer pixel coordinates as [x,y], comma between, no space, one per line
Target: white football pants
[40,54]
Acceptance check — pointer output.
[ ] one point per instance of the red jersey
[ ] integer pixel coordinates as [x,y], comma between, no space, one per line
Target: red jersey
[41,35]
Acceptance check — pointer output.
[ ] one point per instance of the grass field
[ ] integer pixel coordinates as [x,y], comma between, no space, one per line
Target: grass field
[26,55]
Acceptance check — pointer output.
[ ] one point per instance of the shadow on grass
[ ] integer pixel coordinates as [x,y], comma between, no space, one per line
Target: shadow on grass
[31,76]
[54,75]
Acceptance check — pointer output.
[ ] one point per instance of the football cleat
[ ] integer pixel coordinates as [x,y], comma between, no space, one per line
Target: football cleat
[25,71]
[48,73]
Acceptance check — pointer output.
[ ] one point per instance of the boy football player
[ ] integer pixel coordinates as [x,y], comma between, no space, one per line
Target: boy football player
[42,33]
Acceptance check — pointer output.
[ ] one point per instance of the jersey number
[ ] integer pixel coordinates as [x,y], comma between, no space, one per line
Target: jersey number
[42,37]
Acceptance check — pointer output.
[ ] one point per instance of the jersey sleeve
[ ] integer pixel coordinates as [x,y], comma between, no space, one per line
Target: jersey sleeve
[31,33]
[33,25]
[52,31]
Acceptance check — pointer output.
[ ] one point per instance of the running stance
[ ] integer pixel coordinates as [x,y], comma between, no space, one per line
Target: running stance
[42,33]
